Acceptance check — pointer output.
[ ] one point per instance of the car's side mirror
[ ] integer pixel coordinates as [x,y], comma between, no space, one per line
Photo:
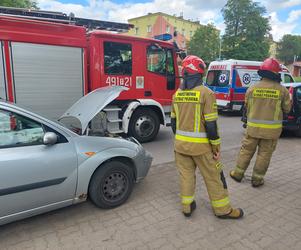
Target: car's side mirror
[50,138]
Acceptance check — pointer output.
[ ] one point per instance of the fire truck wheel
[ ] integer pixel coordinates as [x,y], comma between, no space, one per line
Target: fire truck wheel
[111,184]
[144,125]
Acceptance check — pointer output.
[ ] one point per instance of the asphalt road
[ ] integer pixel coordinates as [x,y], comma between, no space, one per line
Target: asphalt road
[230,128]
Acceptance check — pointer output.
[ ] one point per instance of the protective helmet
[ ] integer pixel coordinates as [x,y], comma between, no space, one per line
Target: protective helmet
[271,64]
[193,65]
[270,69]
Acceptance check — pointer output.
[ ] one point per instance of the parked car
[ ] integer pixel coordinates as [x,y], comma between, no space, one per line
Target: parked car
[45,166]
[291,121]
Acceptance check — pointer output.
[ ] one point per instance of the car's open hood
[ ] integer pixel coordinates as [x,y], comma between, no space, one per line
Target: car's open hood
[91,104]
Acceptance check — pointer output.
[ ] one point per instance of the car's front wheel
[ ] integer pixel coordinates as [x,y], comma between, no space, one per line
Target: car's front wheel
[111,184]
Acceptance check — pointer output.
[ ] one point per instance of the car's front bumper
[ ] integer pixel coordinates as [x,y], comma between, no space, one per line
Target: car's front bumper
[143,162]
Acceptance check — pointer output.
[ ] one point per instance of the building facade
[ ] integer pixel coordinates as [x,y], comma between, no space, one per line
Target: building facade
[155,24]
[295,68]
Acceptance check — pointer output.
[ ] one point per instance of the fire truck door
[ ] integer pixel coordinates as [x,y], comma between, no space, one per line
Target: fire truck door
[161,69]
[2,76]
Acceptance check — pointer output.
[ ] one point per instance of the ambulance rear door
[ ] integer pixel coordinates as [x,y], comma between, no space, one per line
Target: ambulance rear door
[218,79]
[243,77]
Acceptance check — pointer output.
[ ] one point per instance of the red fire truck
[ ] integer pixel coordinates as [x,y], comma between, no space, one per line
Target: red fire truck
[48,60]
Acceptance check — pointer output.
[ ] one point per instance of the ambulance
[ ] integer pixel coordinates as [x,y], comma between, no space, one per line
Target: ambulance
[229,79]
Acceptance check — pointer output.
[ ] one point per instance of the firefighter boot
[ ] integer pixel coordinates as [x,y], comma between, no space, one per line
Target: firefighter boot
[236,213]
[188,209]
[237,176]
[257,183]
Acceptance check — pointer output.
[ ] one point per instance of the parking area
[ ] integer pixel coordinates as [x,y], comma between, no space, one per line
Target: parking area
[152,218]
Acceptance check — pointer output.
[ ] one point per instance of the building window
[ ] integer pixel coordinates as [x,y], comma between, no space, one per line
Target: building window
[118,58]
[136,31]
[149,28]
[168,29]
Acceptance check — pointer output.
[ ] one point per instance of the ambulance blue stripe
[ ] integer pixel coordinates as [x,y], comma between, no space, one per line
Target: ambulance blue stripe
[240,90]
[222,90]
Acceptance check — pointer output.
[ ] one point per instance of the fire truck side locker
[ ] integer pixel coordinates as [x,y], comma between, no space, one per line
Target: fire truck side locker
[47,78]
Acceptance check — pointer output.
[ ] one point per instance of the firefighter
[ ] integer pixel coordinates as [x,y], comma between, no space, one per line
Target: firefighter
[197,143]
[265,103]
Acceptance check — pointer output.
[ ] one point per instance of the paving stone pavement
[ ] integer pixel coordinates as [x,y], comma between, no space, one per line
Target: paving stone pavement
[152,219]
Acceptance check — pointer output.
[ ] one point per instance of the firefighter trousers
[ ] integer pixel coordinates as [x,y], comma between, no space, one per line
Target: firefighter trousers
[266,147]
[212,175]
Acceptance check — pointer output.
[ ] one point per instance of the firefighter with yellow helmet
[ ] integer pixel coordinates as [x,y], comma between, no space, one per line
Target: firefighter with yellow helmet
[265,103]
[197,143]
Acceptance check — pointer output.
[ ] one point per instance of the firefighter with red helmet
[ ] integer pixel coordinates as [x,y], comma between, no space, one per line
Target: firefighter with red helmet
[265,103]
[197,142]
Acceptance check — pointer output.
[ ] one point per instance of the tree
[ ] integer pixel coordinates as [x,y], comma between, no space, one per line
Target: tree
[19,3]
[205,43]
[247,30]
[289,48]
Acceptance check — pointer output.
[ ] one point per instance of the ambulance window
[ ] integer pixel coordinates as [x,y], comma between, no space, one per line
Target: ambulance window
[156,60]
[117,58]
[218,78]
[288,79]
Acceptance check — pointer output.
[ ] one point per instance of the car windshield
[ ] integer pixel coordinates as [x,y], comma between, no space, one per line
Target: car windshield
[218,78]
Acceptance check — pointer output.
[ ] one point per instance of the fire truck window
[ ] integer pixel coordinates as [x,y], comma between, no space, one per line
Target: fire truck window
[17,130]
[117,58]
[288,79]
[170,63]
[218,78]
[156,60]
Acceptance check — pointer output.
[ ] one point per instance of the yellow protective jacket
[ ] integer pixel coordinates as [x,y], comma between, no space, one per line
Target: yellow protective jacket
[191,109]
[266,102]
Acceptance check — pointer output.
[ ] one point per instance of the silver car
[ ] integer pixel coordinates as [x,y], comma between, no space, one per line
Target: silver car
[45,166]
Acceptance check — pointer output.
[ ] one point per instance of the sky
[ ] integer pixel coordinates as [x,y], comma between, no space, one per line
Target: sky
[285,15]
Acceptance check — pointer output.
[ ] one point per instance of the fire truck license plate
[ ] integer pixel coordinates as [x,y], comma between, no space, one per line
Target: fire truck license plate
[119,81]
